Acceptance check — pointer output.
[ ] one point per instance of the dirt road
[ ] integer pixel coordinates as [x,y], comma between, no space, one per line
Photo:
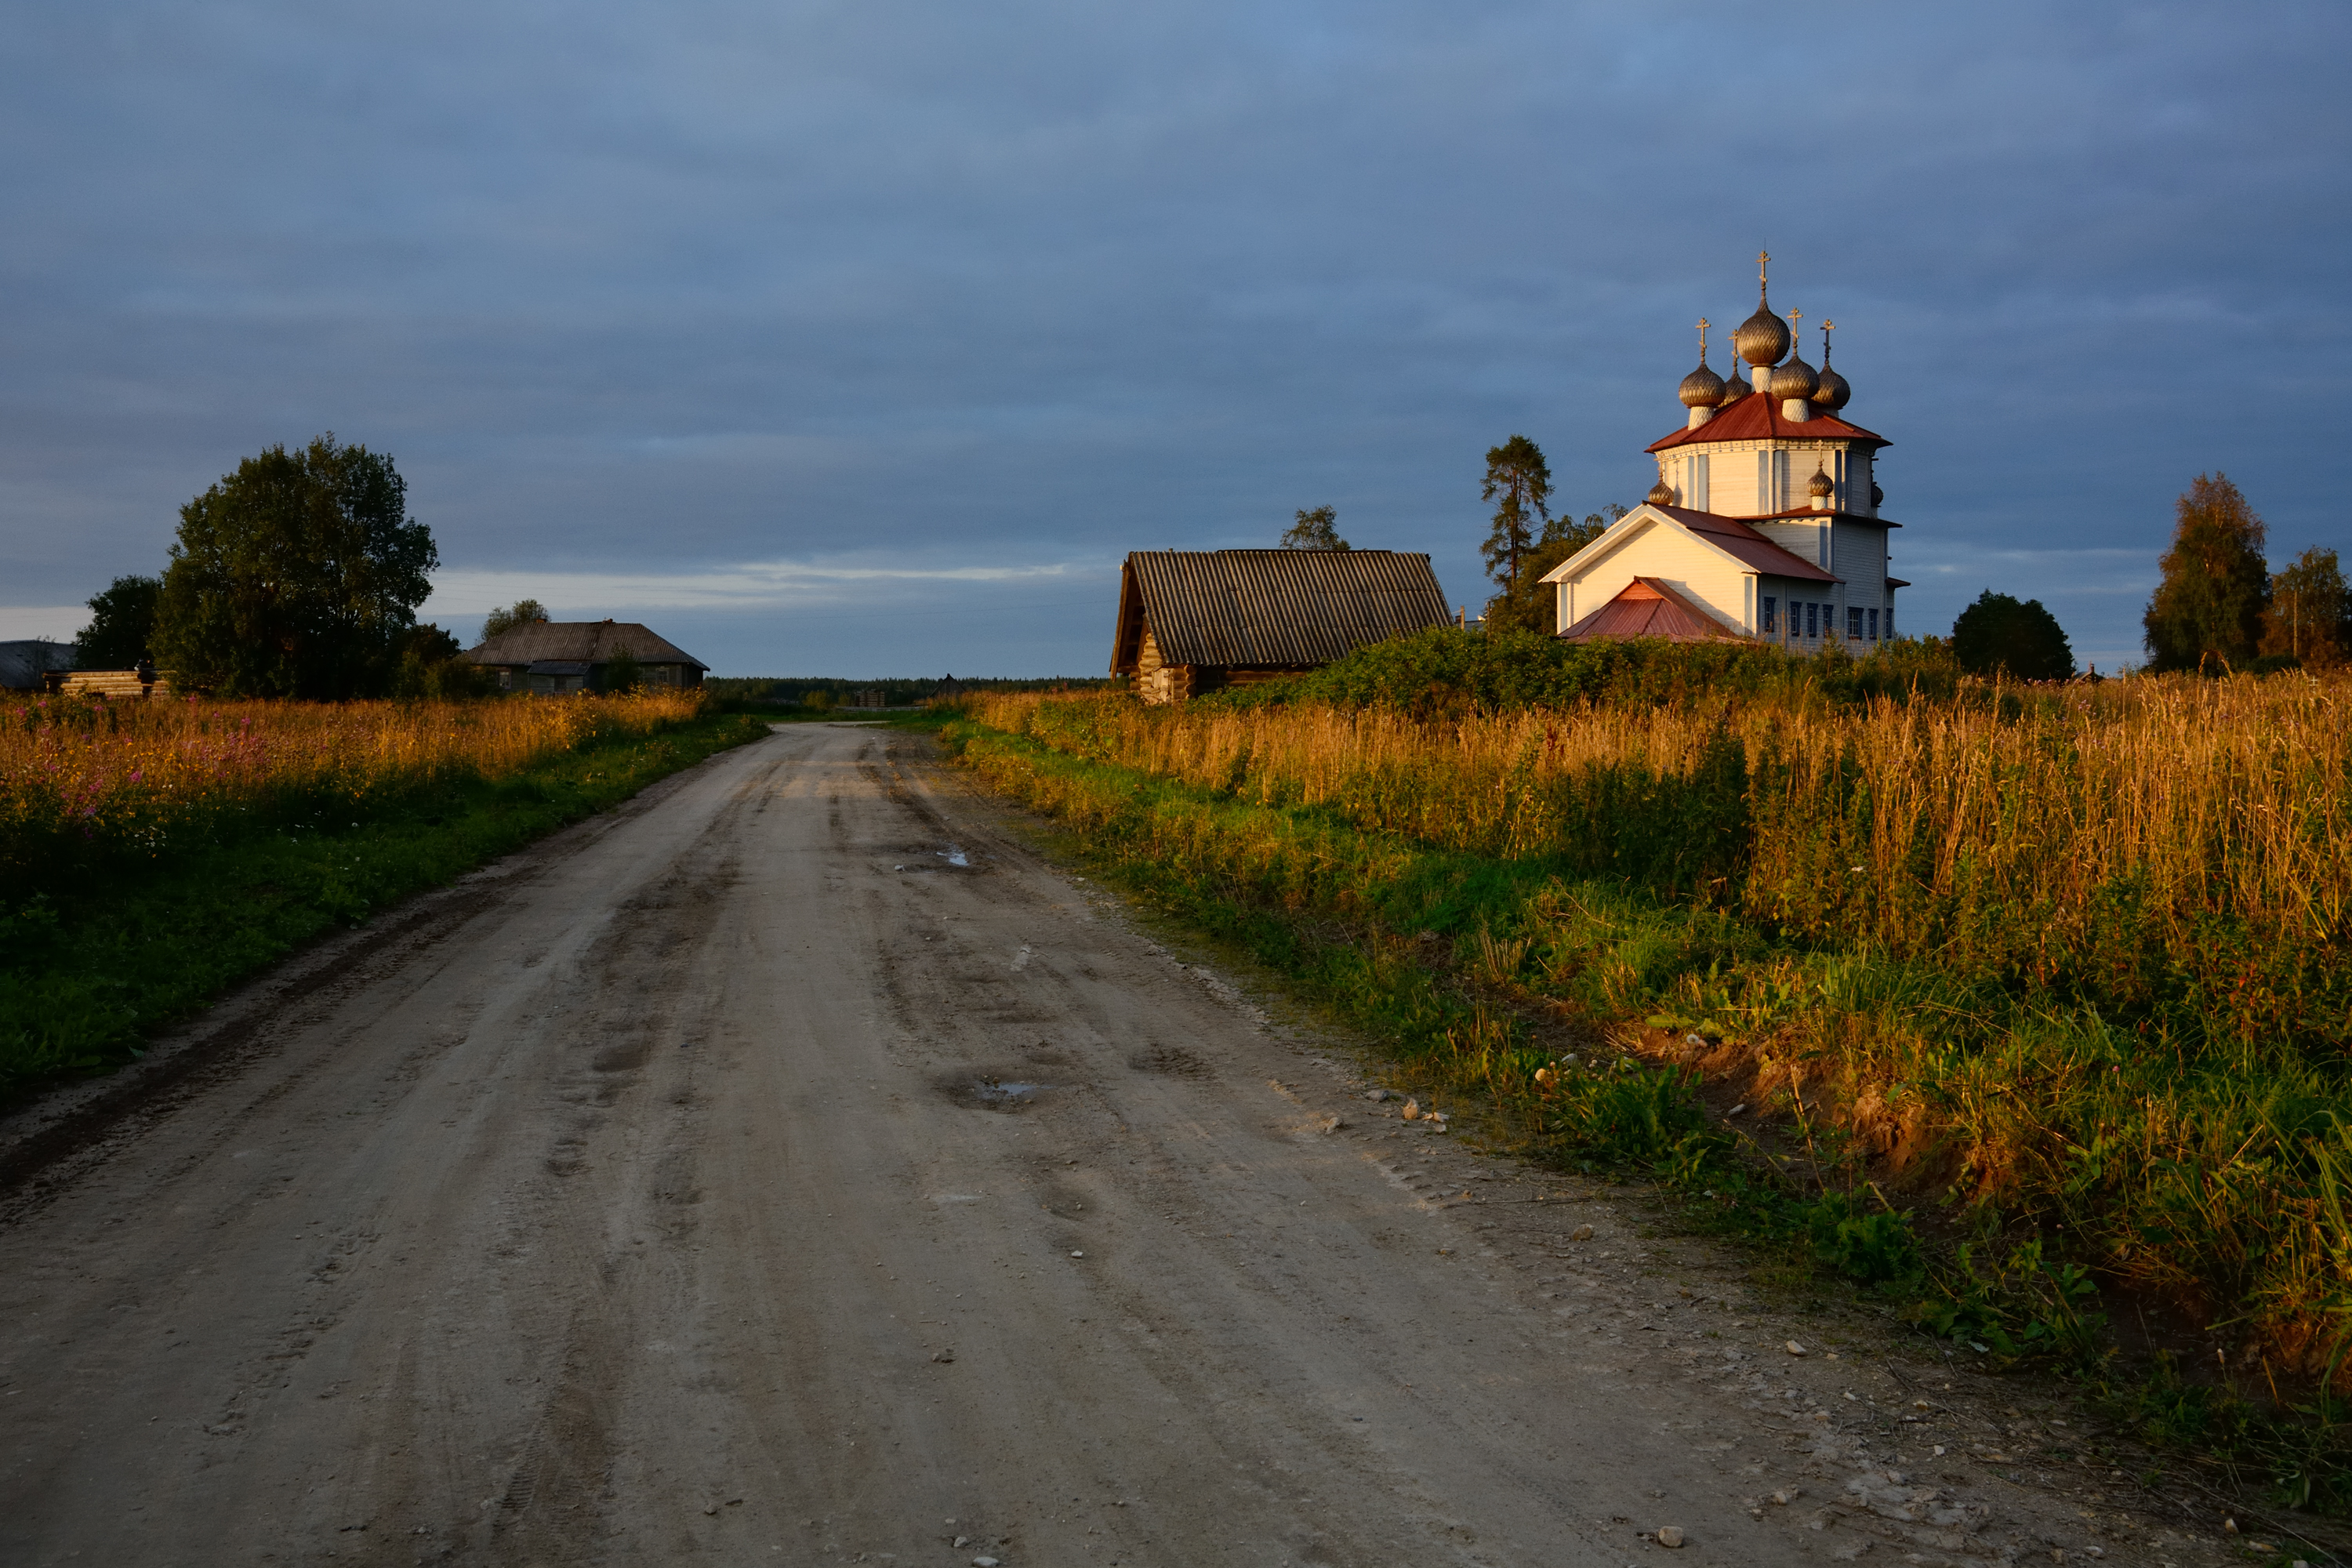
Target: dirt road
[791,1167]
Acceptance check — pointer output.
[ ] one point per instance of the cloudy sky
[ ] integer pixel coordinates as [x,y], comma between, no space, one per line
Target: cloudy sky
[865,338]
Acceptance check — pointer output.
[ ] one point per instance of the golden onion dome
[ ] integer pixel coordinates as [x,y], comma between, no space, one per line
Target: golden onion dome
[1833,393]
[1735,388]
[1763,337]
[1702,388]
[1822,485]
[1662,494]
[1794,380]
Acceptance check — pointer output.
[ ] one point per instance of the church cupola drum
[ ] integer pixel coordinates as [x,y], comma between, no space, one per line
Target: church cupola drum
[1764,521]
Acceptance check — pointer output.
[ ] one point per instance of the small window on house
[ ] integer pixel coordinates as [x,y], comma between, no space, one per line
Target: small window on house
[1812,620]
[1853,622]
[1770,625]
[1873,625]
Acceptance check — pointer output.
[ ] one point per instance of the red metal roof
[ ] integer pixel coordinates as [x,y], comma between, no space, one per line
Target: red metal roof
[1749,547]
[1649,607]
[1757,418]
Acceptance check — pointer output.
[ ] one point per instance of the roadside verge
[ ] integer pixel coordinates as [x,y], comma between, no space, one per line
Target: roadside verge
[1491,979]
[90,969]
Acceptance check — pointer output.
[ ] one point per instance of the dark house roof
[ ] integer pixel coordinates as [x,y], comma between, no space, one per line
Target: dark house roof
[1757,418]
[23,663]
[580,642]
[1271,609]
[1649,607]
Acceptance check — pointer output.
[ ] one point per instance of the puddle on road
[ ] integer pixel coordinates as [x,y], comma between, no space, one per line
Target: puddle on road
[994,1093]
[954,857]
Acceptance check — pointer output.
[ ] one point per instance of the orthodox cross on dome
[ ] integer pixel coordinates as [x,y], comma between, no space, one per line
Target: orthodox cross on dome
[1703,324]
[1794,317]
[1828,327]
[1763,270]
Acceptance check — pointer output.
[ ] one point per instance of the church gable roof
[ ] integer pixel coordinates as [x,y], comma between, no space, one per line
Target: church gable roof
[1649,607]
[1271,608]
[1757,418]
[1728,534]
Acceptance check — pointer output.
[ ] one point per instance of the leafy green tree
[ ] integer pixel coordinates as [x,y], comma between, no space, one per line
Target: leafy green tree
[1999,635]
[1531,606]
[429,667]
[2309,621]
[1518,481]
[298,575]
[2207,612]
[623,673]
[121,625]
[522,613]
[1316,530]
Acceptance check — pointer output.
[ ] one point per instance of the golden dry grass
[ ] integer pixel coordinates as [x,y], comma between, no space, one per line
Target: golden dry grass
[134,772]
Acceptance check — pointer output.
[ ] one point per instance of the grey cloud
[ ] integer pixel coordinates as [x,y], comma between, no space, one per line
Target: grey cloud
[664,288]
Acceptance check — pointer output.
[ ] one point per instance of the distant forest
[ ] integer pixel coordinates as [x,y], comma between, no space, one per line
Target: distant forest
[841,692]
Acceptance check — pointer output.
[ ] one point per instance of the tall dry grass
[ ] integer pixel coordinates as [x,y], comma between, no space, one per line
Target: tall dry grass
[2130,841]
[79,778]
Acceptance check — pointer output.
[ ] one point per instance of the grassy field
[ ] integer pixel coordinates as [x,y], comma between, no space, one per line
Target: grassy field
[153,853]
[2040,993]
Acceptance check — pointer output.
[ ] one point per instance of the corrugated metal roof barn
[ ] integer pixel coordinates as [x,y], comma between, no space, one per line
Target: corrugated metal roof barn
[1192,620]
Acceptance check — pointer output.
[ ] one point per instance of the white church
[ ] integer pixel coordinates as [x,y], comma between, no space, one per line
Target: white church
[1764,523]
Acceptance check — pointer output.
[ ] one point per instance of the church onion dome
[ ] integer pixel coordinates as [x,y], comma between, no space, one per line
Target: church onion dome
[1702,388]
[1833,393]
[1661,494]
[1794,380]
[1735,388]
[1762,337]
[1822,487]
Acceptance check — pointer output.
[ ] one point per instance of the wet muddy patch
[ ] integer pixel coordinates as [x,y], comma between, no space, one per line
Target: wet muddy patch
[1009,1093]
[930,858]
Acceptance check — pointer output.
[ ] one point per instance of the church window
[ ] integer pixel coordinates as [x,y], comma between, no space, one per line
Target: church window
[1771,626]
[1853,622]
[1763,481]
[1699,496]
[1873,625]
[1779,481]
[1812,620]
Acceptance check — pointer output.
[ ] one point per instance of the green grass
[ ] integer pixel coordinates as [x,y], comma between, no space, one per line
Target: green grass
[1457,960]
[90,969]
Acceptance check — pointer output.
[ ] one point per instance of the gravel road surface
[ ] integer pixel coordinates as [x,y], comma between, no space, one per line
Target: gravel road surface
[794,1167]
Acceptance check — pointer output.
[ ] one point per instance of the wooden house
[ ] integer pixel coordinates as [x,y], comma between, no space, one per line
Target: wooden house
[560,657]
[1190,621]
